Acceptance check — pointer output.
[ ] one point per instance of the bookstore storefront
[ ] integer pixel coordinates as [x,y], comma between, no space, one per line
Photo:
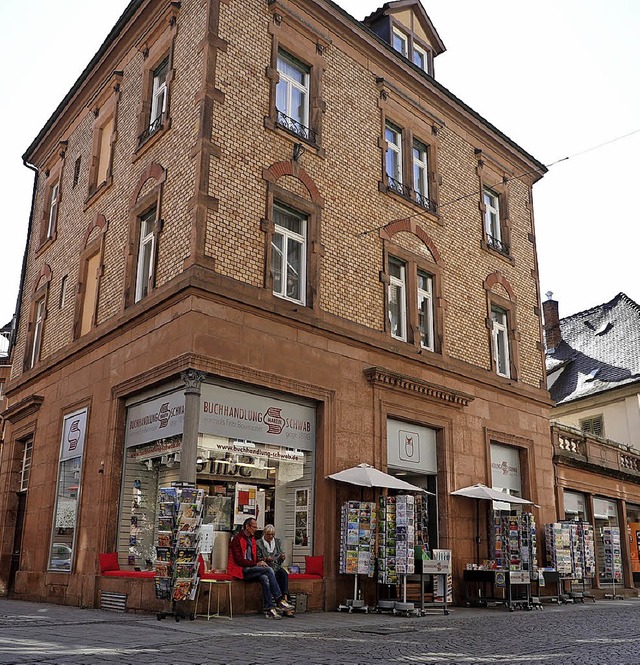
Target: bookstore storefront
[255,459]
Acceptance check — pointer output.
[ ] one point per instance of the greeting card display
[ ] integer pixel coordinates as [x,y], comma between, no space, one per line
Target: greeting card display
[514,542]
[357,538]
[396,538]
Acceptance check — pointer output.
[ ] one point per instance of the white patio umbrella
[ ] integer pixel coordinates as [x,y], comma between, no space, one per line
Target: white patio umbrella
[482,492]
[365,475]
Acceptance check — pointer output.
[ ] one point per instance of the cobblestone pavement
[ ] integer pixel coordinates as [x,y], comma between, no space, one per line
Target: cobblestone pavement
[604,633]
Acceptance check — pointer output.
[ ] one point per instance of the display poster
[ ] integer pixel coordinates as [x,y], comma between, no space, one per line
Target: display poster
[262,501]
[302,517]
[246,503]
[74,431]
[218,511]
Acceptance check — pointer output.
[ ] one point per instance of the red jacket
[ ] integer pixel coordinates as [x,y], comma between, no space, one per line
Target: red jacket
[237,561]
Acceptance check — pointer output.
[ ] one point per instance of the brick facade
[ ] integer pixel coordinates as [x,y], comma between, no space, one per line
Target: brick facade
[221,161]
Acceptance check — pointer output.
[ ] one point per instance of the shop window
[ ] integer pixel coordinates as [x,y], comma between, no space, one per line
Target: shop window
[506,474]
[289,254]
[608,540]
[65,516]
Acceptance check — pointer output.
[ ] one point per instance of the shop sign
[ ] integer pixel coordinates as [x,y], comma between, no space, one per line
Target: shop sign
[505,467]
[574,503]
[73,435]
[246,417]
[159,418]
[501,579]
[432,567]
[604,509]
[411,447]
[519,577]
[274,453]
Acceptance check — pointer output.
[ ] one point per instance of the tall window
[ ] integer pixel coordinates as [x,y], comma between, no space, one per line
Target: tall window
[146,254]
[104,152]
[159,95]
[393,136]
[425,310]
[500,334]
[292,96]
[492,219]
[25,471]
[53,210]
[398,298]
[38,326]
[289,254]
[421,173]
[89,292]
[401,42]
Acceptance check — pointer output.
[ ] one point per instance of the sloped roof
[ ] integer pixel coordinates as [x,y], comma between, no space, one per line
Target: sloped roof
[420,14]
[600,350]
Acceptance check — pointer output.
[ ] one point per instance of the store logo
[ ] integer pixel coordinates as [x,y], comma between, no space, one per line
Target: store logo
[273,420]
[409,446]
[164,415]
[505,468]
[74,434]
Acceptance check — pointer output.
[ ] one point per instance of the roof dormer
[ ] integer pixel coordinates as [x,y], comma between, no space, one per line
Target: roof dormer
[404,25]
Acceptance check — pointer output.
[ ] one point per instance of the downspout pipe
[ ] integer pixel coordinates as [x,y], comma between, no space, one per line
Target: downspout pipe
[23,274]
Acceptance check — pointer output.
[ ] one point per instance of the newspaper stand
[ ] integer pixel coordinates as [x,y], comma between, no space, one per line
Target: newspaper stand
[522,580]
[437,569]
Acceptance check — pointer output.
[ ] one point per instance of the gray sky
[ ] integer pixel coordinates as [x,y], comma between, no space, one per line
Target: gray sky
[557,76]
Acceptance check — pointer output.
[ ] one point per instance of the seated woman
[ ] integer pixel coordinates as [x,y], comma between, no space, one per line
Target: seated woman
[270,550]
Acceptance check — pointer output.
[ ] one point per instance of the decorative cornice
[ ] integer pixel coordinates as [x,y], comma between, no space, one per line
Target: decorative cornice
[22,409]
[382,376]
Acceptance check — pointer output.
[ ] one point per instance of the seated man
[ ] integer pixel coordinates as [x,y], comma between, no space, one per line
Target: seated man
[244,564]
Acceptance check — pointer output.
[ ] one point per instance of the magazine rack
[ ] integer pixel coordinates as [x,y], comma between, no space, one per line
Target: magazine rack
[179,517]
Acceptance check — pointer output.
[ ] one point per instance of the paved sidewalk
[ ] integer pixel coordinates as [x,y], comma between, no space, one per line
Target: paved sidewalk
[604,633]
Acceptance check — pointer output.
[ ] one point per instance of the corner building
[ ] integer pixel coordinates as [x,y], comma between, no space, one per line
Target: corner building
[266,244]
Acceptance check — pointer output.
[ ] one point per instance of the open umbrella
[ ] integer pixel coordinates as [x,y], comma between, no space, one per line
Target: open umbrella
[482,492]
[364,475]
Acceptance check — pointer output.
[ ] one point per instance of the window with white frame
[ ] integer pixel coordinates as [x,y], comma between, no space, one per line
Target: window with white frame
[393,136]
[500,334]
[425,310]
[159,94]
[420,57]
[25,470]
[292,96]
[421,173]
[53,210]
[146,253]
[492,217]
[401,42]
[289,254]
[398,298]
[38,326]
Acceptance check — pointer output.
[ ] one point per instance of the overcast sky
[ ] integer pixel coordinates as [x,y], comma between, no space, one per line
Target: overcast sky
[559,77]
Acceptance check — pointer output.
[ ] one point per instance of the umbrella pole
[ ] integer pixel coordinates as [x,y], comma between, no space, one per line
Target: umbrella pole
[355,587]
[478,531]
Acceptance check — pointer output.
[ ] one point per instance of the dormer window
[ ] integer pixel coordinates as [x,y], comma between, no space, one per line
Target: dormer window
[401,42]
[420,57]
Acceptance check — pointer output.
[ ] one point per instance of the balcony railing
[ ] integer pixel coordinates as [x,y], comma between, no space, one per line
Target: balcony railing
[594,450]
[154,127]
[397,187]
[498,245]
[425,202]
[296,128]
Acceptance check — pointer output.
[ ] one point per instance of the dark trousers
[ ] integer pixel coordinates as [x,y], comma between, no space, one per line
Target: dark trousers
[282,578]
[270,589]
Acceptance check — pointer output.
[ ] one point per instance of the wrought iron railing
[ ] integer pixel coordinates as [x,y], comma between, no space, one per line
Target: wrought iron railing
[296,128]
[398,187]
[425,202]
[498,245]
[155,126]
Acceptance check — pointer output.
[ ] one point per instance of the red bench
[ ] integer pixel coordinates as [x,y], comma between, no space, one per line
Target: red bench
[110,567]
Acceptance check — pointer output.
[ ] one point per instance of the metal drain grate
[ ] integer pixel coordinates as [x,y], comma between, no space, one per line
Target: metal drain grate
[114,602]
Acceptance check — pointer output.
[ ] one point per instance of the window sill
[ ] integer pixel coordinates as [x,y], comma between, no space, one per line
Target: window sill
[505,257]
[151,141]
[427,212]
[271,124]
[96,193]
[46,244]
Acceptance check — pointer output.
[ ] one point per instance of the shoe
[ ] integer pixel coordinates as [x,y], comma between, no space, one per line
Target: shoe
[284,605]
[272,613]
[289,614]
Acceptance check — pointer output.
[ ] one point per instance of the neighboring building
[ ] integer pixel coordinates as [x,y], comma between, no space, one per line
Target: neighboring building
[593,369]
[5,368]
[266,245]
